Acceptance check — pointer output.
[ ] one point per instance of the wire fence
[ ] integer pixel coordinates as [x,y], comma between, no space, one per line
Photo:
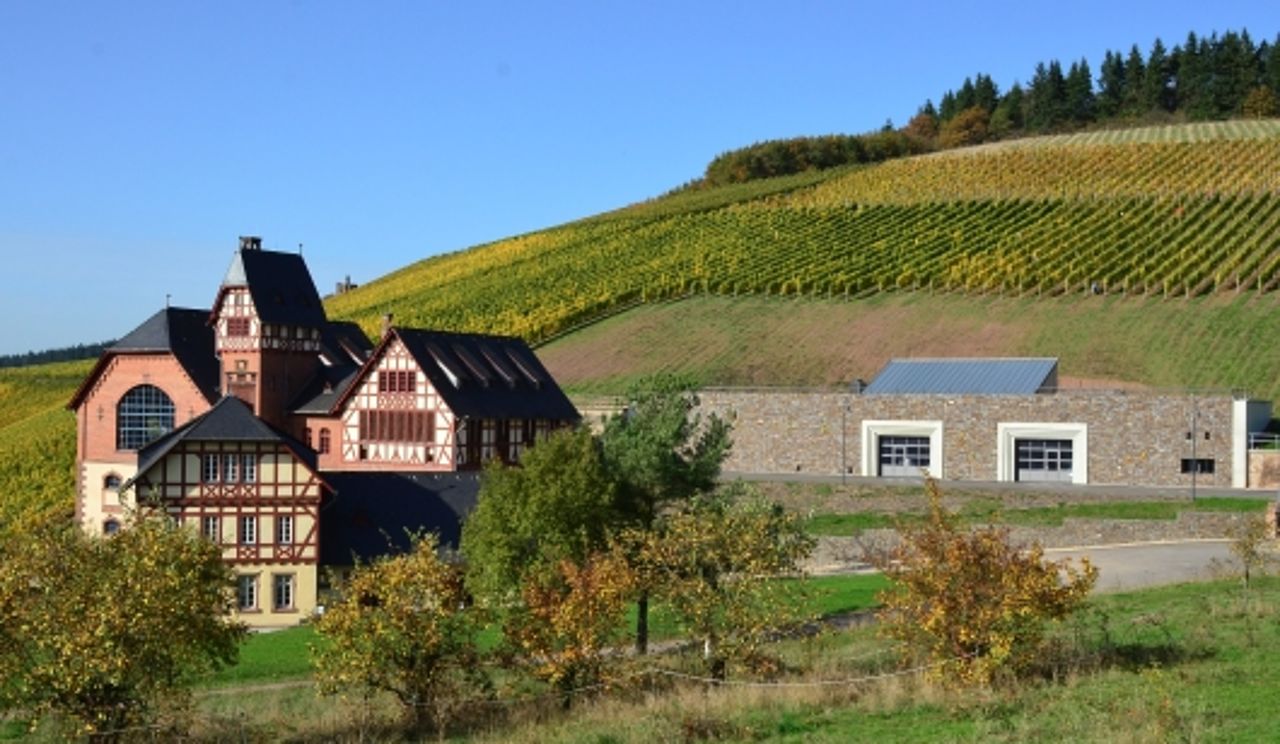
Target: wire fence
[240,727]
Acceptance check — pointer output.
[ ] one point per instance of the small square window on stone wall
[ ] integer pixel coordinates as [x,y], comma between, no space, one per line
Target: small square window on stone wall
[1198,465]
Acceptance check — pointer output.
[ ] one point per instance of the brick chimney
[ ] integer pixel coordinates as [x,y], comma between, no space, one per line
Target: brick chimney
[250,243]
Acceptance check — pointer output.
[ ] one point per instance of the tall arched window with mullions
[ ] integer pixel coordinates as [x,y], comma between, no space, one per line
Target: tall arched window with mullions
[143,414]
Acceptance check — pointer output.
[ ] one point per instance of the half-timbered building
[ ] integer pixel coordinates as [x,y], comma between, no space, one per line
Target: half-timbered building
[290,440]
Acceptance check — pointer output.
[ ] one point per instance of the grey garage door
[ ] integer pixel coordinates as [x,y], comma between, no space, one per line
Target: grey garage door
[903,456]
[1044,460]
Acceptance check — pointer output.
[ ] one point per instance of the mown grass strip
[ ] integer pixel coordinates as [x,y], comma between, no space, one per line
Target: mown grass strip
[983,512]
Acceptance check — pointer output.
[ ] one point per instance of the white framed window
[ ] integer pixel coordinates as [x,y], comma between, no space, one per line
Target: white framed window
[284,529]
[231,468]
[249,468]
[1042,451]
[211,529]
[248,530]
[209,469]
[515,440]
[488,439]
[247,592]
[282,591]
[902,448]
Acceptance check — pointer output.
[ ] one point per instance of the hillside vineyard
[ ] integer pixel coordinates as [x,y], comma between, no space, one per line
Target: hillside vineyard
[1164,212]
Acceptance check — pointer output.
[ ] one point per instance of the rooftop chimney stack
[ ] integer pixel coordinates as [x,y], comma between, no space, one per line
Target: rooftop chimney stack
[250,243]
[386,324]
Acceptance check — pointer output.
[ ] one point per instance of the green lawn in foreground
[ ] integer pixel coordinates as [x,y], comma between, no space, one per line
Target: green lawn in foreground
[283,654]
[981,511]
[1189,663]
[270,657]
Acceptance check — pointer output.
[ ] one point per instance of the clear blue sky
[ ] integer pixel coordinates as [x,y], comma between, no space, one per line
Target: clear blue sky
[139,139]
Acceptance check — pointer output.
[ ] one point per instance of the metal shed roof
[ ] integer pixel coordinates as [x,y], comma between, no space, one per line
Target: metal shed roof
[965,376]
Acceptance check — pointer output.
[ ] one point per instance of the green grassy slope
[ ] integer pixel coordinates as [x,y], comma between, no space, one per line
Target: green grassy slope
[1206,342]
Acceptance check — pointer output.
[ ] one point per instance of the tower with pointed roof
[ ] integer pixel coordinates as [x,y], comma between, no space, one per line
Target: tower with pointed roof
[290,440]
[268,322]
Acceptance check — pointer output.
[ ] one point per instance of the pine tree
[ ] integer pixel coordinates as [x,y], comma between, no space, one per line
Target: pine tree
[1237,71]
[1192,78]
[966,98]
[1079,90]
[1008,116]
[1110,85]
[1047,107]
[1158,93]
[1134,84]
[985,92]
[1271,65]
[947,106]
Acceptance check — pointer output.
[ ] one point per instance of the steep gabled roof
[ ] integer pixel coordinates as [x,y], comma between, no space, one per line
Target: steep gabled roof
[966,377]
[479,376]
[182,332]
[230,420]
[279,284]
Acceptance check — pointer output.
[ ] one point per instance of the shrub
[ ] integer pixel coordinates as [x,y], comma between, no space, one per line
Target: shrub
[109,632]
[571,617]
[401,625]
[972,603]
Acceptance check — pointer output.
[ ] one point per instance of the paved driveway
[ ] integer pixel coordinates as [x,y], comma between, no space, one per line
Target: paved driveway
[1123,567]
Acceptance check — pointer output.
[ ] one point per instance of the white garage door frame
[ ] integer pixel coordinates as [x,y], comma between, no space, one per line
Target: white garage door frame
[1006,450]
[873,430]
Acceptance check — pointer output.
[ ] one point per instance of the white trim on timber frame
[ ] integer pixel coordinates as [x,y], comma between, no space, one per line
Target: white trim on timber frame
[1006,451]
[873,430]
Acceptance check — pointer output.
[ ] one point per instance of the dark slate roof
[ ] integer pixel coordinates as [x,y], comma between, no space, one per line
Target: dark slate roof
[230,420]
[346,348]
[180,331]
[373,514]
[329,384]
[483,376]
[965,376]
[342,338]
[280,285]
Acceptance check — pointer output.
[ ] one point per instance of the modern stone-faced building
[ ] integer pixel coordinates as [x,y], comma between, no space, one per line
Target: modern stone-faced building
[995,420]
[291,441]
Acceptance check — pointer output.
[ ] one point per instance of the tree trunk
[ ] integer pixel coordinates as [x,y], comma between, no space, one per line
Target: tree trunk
[642,624]
[711,658]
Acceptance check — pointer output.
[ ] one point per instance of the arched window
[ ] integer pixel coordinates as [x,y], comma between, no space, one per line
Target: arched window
[111,482]
[143,414]
[110,527]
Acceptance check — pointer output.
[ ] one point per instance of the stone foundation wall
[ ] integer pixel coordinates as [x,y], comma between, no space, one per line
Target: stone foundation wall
[1264,469]
[1133,437]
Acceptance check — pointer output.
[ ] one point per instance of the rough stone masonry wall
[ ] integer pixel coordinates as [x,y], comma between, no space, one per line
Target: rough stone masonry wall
[1264,470]
[1133,437]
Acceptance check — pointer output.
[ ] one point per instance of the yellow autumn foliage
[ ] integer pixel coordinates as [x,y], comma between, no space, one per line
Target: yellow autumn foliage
[970,603]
